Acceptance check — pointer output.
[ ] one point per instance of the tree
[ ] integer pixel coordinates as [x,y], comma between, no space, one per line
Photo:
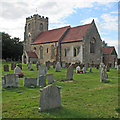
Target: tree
[104,44]
[11,47]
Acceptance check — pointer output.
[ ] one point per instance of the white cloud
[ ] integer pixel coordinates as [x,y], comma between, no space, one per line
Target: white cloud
[110,22]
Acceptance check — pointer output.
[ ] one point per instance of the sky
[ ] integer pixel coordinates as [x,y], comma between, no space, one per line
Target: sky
[61,13]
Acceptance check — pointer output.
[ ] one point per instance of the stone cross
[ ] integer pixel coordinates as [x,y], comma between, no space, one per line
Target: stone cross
[50,98]
[69,75]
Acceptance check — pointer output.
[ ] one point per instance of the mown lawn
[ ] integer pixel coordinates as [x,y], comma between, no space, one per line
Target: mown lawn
[85,97]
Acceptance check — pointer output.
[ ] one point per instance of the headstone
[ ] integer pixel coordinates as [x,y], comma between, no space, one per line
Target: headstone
[13,65]
[116,65]
[69,75]
[10,80]
[63,64]
[42,70]
[6,68]
[50,98]
[30,82]
[90,69]
[57,67]
[54,64]
[78,69]
[48,65]
[20,66]
[42,81]
[103,74]
[37,65]
[108,68]
[84,69]
[29,65]
[17,70]
[50,78]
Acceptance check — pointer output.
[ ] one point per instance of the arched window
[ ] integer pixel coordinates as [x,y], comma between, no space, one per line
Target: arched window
[41,26]
[29,26]
[65,52]
[75,52]
[41,52]
[52,52]
[92,46]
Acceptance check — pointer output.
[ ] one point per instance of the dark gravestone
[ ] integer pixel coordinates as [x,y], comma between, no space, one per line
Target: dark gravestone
[54,64]
[42,81]
[30,82]
[69,75]
[108,68]
[50,98]
[13,65]
[6,68]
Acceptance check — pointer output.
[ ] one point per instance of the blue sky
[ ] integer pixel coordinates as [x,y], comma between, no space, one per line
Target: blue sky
[62,13]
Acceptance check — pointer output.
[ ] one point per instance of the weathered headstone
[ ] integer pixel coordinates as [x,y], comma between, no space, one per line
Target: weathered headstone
[10,80]
[17,70]
[69,75]
[50,78]
[37,65]
[29,65]
[13,65]
[108,68]
[54,64]
[6,68]
[20,66]
[78,69]
[42,81]
[30,82]
[50,98]
[57,67]
[48,65]
[84,69]
[42,70]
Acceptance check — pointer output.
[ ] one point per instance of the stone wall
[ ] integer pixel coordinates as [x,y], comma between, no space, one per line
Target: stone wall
[92,58]
[46,55]
[70,52]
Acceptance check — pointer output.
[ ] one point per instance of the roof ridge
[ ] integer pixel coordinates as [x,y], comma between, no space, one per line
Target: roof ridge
[81,25]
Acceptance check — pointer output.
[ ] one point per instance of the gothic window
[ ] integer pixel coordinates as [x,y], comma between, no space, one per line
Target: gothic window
[29,26]
[75,52]
[65,52]
[92,46]
[41,26]
[47,50]
[52,51]
[41,52]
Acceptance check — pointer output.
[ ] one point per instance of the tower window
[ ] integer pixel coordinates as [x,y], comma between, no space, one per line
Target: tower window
[41,26]
[29,26]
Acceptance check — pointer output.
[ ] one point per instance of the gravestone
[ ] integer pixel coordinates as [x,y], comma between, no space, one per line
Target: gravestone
[69,75]
[10,80]
[20,66]
[57,67]
[6,68]
[13,65]
[50,78]
[116,65]
[50,98]
[30,82]
[37,65]
[54,64]
[63,64]
[48,65]
[90,69]
[103,74]
[84,69]
[42,81]
[108,68]
[42,70]
[78,69]
[29,65]
[17,70]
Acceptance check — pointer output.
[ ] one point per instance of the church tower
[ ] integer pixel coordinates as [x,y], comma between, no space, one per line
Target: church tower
[33,27]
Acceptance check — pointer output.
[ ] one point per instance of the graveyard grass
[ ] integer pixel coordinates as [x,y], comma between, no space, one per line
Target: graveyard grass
[85,97]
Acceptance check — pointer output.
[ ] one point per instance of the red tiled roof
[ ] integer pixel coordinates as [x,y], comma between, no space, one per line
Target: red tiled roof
[50,36]
[108,50]
[76,33]
[32,54]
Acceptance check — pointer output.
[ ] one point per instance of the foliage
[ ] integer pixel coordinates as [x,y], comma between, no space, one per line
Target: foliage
[85,97]
[21,74]
[104,44]
[12,48]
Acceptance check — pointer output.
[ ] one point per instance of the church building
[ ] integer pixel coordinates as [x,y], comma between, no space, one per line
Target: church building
[69,44]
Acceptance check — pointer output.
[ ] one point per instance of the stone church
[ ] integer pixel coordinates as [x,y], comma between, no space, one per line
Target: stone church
[69,44]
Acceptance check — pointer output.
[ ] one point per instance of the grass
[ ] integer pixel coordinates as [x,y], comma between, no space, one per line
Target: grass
[85,97]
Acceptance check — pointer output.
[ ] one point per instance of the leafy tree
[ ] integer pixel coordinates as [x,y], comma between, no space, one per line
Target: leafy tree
[104,44]
[11,47]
